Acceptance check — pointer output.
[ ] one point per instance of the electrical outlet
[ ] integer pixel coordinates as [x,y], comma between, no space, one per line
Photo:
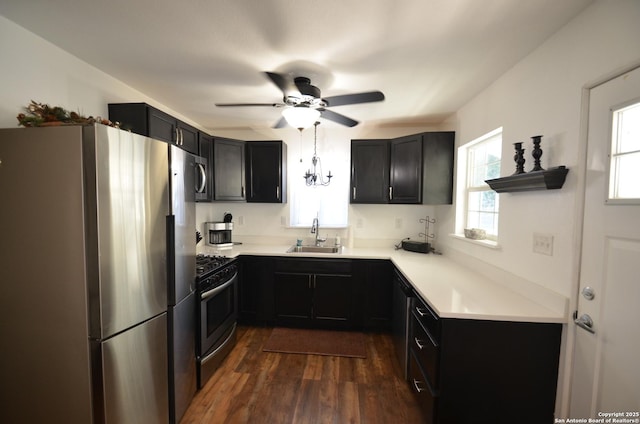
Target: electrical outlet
[241,220]
[283,221]
[398,223]
[543,243]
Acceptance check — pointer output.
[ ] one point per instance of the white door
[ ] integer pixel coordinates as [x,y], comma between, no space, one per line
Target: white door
[606,371]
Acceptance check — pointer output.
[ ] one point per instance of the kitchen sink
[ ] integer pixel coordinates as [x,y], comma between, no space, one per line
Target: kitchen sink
[313,249]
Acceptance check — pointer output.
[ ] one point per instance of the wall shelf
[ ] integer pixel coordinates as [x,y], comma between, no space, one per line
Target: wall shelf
[548,179]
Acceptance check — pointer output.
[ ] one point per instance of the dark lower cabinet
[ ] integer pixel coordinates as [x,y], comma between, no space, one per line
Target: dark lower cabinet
[256,283]
[375,282]
[478,371]
[314,293]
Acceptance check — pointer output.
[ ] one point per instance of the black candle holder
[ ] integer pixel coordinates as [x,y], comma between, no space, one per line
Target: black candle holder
[536,153]
[519,159]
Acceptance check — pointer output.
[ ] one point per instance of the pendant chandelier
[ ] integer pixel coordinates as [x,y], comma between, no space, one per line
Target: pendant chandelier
[315,178]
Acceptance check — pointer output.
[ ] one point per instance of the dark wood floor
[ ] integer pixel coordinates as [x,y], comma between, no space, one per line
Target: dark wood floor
[253,386]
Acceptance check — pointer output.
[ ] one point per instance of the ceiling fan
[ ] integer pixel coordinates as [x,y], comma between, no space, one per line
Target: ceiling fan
[303,103]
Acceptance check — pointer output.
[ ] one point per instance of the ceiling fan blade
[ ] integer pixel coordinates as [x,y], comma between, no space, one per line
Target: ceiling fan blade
[285,84]
[350,99]
[336,117]
[249,104]
[281,123]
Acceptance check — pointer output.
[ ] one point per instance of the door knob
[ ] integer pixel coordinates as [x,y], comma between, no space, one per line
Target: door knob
[588,293]
[585,322]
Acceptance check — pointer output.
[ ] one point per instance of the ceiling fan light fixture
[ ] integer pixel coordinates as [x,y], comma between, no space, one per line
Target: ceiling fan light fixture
[300,116]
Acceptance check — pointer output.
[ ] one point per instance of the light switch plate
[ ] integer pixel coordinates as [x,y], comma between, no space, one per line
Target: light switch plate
[543,243]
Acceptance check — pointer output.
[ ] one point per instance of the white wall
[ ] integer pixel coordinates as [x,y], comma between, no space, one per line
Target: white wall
[542,95]
[34,69]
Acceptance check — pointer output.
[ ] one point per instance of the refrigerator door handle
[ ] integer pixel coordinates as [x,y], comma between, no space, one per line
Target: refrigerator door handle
[171,252]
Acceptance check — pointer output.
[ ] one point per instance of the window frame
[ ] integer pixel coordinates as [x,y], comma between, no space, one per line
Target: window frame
[466,186]
[615,152]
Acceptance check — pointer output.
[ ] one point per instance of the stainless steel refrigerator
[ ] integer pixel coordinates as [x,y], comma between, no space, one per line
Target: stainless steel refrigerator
[86,233]
[182,275]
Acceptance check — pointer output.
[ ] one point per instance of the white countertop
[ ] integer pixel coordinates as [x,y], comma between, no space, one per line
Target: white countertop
[452,290]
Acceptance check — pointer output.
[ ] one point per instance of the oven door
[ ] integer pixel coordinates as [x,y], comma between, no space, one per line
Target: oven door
[218,313]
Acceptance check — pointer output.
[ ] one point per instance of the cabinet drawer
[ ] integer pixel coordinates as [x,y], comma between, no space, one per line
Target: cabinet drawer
[315,266]
[427,318]
[426,351]
[420,387]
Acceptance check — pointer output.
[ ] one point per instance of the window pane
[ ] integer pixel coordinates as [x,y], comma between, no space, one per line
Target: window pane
[628,134]
[626,174]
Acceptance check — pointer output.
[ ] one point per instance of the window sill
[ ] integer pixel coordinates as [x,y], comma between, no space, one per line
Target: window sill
[485,243]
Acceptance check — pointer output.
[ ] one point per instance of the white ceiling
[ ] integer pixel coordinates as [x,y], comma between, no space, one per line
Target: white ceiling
[429,57]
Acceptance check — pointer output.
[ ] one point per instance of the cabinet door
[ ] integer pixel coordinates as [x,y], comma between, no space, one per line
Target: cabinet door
[405,175]
[369,171]
[161,125]
[333,300]
[437,177]
[292,298]
[377,290]
[188,137]
[228,168]
[266,171]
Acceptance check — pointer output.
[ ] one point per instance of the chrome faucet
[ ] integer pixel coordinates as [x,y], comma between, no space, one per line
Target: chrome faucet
[315,229]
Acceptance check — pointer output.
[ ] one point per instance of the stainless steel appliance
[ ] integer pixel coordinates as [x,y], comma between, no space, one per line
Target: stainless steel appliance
[218,312]
[402,294]
[219,234]
[201,182]
[94,338]
[83,302]
[181,284]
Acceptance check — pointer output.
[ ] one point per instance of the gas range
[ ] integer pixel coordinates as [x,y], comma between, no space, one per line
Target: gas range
[207,264]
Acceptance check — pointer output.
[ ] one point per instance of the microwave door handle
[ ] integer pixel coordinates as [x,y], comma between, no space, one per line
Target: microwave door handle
[218,289]
[203,178]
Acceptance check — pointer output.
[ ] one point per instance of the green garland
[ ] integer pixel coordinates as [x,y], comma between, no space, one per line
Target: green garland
[41,114]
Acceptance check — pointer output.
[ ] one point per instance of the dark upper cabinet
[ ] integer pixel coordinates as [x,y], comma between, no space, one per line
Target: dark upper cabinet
[369,171]
[416,169]
[146,120]
[405,170]
[228,170]
[266,172]
[437,176]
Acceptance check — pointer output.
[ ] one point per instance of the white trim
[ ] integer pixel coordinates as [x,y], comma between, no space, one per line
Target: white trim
[491,244]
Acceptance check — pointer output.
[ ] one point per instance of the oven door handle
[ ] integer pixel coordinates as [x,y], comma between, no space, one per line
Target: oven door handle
[218,289]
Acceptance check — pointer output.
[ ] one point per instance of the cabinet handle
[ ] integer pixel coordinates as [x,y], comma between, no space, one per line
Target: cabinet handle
[420,312]
[177,136]
[354,193]
[241,191]
[418,388]
[390,193]
[181,137]
[278,192]
[417,340]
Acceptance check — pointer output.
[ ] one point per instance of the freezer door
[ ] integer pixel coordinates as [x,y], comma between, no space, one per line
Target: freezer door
[127,175]
[183,211]
[135,379]
[182,356]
